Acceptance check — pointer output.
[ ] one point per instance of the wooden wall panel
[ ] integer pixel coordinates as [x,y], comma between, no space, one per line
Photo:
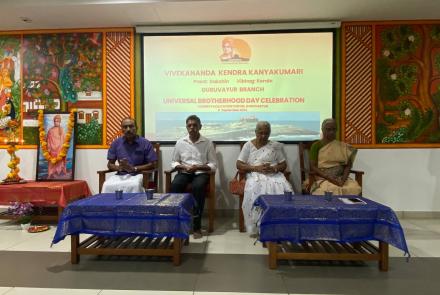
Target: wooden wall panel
[391,84]
[357,82]
[119,81]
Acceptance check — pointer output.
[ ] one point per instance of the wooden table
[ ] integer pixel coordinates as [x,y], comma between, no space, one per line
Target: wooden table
[132,226]
[44,195]
[328,250]
[127,246]
[311,228]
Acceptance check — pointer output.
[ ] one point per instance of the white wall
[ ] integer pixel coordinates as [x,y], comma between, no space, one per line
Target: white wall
[404,179]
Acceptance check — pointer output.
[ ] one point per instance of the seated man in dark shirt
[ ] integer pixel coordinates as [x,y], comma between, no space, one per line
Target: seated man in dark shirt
[134,154]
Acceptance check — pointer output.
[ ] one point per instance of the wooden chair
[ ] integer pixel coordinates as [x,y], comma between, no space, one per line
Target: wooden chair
[306,173]
[241,176]
[148,180]
[210,194]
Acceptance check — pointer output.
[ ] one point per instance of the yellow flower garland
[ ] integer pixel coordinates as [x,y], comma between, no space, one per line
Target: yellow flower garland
[13,163]
[43,143]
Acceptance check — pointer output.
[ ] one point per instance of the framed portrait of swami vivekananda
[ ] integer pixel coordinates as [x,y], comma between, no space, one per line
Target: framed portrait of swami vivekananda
[56,146]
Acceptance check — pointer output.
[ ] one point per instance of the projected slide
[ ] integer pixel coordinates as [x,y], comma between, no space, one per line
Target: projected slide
[233,81]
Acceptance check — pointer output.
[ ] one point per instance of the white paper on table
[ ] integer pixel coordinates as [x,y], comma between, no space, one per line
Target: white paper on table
[352,201]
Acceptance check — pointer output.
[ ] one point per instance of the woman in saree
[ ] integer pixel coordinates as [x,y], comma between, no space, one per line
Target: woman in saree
[331,161]
[264,163]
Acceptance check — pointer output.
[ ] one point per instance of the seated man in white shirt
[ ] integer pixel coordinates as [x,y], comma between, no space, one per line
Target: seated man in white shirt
[193,156]
[134,154]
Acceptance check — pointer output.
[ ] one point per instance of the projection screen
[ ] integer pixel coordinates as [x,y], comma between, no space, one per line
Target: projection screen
[231,81]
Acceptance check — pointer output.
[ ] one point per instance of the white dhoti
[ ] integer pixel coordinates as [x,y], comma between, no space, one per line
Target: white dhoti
[127,183]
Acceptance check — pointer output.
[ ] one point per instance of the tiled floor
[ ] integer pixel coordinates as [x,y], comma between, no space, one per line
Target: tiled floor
[226,260]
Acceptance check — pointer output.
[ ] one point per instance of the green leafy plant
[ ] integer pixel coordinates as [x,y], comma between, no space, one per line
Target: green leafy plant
[89,133]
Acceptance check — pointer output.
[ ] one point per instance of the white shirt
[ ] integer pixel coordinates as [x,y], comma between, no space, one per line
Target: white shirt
[190,153]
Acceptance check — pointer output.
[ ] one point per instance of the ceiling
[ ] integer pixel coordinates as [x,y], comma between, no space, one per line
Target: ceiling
[59,14]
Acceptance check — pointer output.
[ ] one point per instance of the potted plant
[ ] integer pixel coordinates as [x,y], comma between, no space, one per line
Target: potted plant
[22,212]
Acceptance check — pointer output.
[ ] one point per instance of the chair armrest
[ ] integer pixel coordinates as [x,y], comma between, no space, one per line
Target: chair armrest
[358,176]
[168,179]
[104,171]
[101,178]
[306,183]
[357,171]
[149,171]
[146,180]
[170,171]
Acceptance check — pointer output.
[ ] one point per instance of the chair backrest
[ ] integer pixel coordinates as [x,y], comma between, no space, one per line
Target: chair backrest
[153,182]
[304,159]
[304,163]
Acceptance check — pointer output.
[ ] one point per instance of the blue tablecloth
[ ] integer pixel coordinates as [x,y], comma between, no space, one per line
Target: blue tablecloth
[314,218]
[164,215]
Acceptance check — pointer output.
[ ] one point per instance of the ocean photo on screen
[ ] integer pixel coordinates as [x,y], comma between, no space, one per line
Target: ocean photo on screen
[240,126]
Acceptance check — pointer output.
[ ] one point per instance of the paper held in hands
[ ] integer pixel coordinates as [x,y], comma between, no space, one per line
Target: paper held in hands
[351,201]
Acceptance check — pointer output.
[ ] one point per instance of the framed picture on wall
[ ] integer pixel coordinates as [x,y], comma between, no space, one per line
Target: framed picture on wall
[56,147]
